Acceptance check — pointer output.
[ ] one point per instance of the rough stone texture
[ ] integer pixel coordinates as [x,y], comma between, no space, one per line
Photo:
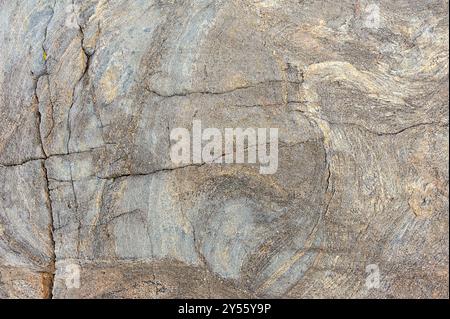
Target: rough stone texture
[89,91]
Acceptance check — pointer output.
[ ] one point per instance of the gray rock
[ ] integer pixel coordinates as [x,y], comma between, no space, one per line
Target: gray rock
[93,207]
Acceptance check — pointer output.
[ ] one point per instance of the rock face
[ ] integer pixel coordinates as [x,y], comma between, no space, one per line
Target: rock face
[92,206]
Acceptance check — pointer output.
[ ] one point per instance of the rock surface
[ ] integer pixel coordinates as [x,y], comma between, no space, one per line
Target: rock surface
[91,205]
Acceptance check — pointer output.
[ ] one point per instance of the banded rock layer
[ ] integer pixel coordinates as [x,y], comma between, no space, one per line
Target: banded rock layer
[91,206]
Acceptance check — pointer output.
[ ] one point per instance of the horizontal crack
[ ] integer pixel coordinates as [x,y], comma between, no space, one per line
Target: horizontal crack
[206,92]
[43,158]
[388,133]
[117,176]
[364,128]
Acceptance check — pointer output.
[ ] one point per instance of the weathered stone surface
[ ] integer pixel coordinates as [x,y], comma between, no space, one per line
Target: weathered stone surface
[90,91]
[26,246]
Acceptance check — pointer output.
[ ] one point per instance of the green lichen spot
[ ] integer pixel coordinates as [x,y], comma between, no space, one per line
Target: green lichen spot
[44,56]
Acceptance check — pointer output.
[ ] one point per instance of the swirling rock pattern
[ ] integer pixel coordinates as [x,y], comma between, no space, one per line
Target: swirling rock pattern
[90,91]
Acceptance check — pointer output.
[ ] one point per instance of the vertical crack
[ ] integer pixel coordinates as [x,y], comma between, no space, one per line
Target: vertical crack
[48,277]
[76,210]
[329,189]
[87,61]
[50,100]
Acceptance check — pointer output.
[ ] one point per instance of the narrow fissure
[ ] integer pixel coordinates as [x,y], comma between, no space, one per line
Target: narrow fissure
[48,278]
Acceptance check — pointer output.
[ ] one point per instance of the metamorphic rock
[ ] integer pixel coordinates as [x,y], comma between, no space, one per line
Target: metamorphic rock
[91,205]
